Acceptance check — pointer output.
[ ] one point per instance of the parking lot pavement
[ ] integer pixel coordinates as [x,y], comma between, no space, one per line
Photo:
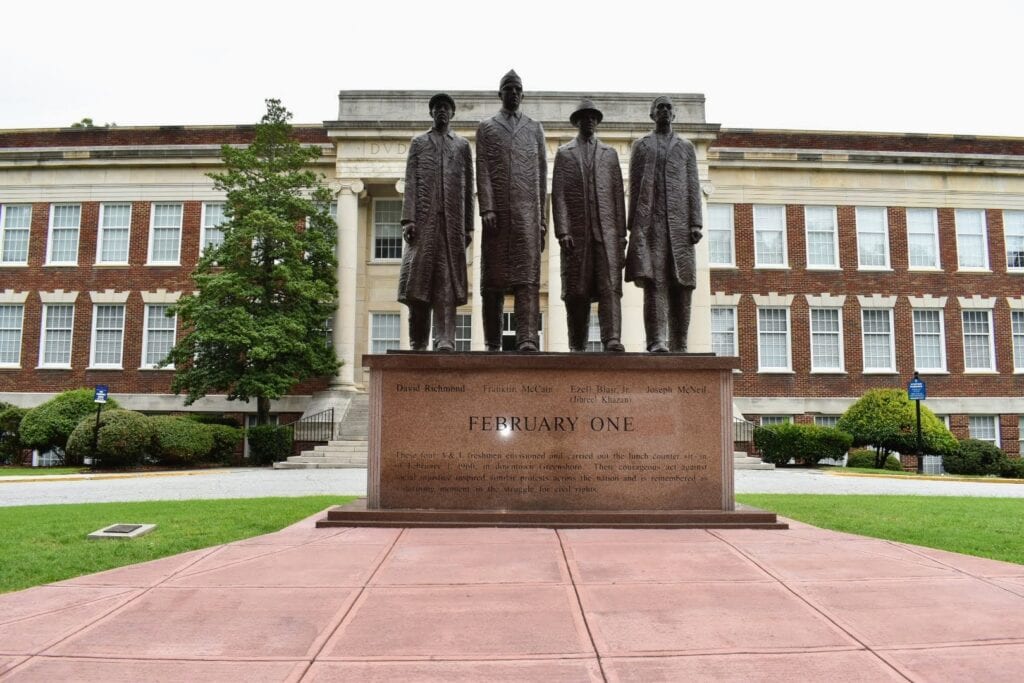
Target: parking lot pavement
[822,481]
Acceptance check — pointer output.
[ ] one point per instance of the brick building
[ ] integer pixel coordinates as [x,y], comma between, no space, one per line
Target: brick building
[832,262]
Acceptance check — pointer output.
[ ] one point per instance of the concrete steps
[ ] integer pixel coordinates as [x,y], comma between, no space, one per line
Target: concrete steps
[741,461]
[356,422]
[339,454]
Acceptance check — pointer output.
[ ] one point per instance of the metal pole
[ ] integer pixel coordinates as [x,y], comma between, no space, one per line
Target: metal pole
[96,434]
[920,451]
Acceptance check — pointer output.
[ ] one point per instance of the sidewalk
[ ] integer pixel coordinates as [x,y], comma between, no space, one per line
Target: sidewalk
[527,604]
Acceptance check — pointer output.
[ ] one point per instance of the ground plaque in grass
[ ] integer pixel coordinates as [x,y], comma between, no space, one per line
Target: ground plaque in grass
[986,527]
[44,543]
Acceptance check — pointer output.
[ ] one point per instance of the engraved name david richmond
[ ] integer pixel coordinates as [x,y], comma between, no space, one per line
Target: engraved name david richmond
[523,423]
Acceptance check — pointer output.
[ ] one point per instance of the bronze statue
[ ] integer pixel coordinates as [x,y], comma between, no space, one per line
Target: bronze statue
[437,220]
[664,223]
[590,224]
[511,166]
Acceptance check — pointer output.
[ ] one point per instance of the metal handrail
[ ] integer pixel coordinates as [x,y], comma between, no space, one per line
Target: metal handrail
[742,431]
[313,428]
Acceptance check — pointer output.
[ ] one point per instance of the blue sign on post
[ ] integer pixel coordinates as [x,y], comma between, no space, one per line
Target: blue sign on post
[101,394]
[916,390]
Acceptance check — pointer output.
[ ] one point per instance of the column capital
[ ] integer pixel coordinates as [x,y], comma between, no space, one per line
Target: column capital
[350,186]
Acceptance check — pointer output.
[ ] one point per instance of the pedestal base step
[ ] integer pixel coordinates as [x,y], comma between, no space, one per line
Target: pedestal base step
[743,517]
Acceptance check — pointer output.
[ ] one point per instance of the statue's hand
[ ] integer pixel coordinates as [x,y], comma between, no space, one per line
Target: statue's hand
[490,220]
[695,235]
[566,242]
[409,232]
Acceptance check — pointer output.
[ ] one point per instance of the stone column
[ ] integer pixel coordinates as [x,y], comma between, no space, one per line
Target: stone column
[699,337]
[345,319]
[477,342]
[556,327]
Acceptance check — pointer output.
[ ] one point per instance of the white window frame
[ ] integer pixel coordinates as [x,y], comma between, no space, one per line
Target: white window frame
[769,420]
[789,342]
[934,215]
[835,238]
[102,235]
[92,343]
[985,267]
[735,329]
[1013,228]
[1017,336]
[16,363]
[727,227]
[997,440]
[147,316]
[373,240]
[42,338]
[941,312]
[826,420]
[839,335]
[371,339]
[1020,436]
[760,208]
[885,237]
[594,331]
[6,229]
[152,231]
[203,227]
[49,235]
[892,343]
[991,340]
[464,343]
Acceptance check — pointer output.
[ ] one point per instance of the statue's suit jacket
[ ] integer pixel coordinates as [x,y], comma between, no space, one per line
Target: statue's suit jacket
[568,202]
[423,203]
[682,190]
[511,176]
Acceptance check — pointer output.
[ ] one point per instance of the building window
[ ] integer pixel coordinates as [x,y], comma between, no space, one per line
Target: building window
[929,340]
[822,237]
[721,241]
[384,334]
[65,221]
[463,331]
[107,335]
[115,227]
[11,318]
[826,340]
[55,345]
[971,239]
[768,420]
[15,223]
[1017,327]
[984,428]
[387,230]
[213,218]
[1013,230]
[594,331]
[773,339]
[978,352]
[826,420]
[723,331]
[879,354]
[769,236]
[158,334]
[923,238]
[165,234]
[872,238]
[1020,436]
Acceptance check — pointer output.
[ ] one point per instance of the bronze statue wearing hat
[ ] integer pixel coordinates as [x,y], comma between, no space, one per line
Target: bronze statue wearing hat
[511,167]
[437,220]
[590,224]
[664,225]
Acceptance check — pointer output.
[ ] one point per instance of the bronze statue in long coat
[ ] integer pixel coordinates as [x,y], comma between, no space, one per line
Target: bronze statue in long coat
[664,224]
[590,224]
[511,166]
[437,216]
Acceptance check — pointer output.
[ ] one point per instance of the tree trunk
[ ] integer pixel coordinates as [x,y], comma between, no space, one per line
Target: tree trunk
[262,410]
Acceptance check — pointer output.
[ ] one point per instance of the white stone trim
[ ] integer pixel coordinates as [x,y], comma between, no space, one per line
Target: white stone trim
[825,300]
[877,301]
[109,296]
[773,299]
[977,302]
[1016,304]
[160,296]
[169,402]
[58,296]
[723,299]
[797,405]
[927,301]
[9,296]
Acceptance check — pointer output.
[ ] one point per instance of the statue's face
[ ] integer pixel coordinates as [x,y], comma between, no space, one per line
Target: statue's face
[663,112]
[511,95]
[441,113]
[587,122]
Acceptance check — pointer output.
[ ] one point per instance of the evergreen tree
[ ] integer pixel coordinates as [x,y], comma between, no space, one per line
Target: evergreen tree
[256,325]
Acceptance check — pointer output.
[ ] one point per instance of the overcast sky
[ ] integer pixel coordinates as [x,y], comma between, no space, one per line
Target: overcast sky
[905,66]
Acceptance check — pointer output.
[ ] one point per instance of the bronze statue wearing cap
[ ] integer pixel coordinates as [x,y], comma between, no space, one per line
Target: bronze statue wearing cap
[511,167]
[437,220]
[590,224]
[664,225]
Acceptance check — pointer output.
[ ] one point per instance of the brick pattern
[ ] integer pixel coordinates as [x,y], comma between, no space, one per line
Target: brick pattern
[875,142]
[147,136]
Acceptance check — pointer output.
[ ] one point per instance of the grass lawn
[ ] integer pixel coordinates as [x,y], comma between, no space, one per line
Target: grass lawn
[44,543]
[39,471]
[986,527]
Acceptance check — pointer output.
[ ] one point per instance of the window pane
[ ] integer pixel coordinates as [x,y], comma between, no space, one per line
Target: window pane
[826,420]
[720,234]
[922,238]
[114,231]
[11,317]
[769,235]
[213,216]
[877,327]
[384,332]
[463,331]
[977,340]
[166,236]
[971,246]
[872,237]
[983,428]
[723,331]
[825,339]
[14,237]
[775,420]
[64,235]
[928,353]
[109,326]
[594,332]
[387,229]
[1017,324]
[58,322]
[1013,228]
[773,338]
[821,235]
[160,334]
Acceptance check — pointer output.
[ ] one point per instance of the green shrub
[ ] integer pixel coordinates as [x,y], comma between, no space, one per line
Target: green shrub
[1012,468]
[269,444]
[974,457]
[806,443]
[865,458]
[225,441]
[214,419]
[11,447]
[123,441]
[885,419]
[179,442]
[49,425]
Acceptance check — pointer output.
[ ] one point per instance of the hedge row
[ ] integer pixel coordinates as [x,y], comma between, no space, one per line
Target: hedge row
[806,443]
[981,457]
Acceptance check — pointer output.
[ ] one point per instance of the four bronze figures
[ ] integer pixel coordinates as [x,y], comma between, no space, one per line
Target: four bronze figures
[590,223]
